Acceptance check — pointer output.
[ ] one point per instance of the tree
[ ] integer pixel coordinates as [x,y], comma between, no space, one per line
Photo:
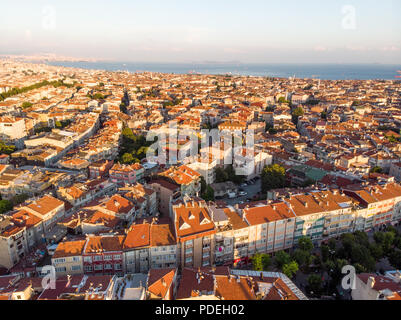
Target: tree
[395,259]
[19,199]
[232,175]
[385,240]
[26,105]
[325,250]
[315,283]
[305,243]
[266,261]
[257,262]
[127,158]
[6,149]
[302,257]
[298,112]
[5,206]
[377,170]
[208,195]
[261,262]
[332,244]
[376,251]
[282,258]
[273,177]
[283,100]
[221,175]
[290,269]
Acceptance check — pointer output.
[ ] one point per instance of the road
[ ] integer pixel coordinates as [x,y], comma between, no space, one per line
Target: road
[251,191]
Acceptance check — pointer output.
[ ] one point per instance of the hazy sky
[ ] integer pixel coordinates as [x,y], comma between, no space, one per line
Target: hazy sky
[268,31]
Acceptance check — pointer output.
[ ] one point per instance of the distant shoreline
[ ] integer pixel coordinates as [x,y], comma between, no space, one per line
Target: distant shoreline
[311,71]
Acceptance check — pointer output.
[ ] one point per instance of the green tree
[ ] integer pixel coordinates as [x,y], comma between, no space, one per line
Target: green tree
[298,112]
[325,250]
[302,257]
[290,269]
[281,258]
[332,244]
[257,262]
[266,261]
[26,105]
[395,259]
[5,206]
[6,149]
[385,240]
[377,170]
[315,283]
[376,251]
[232,175]
[208,195]
[273,177]
[305,243]
[283,100]
[221,175]
[127,158]
[19,199]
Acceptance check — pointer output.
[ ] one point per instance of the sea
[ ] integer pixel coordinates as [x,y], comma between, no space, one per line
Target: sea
[314,71]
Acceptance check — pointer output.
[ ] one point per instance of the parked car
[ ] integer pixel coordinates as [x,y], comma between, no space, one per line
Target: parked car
[232,195]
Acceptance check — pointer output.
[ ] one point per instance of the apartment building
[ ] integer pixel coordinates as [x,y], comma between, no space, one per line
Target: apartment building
[99,169]
[80,194]
[150,246]
[167,192]
[67,259]
[13,242]
[162,284]
[379,204]
[103,255]
[126,174]
[186,178]
[49,209]
[272,227]
[12,128]
[194,230]
[143,196]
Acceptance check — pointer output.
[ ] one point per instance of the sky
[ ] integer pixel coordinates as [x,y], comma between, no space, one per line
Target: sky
[251,31]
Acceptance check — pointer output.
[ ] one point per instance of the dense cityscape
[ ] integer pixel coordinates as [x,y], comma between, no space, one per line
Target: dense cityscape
[85,206]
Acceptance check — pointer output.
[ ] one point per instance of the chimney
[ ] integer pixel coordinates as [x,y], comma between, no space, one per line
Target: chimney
[371,282]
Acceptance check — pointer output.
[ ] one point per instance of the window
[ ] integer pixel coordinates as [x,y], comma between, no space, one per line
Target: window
[117,257]
[88,268]
[108,266]
[98,267]
[97,258]
[75,268]
[117,266]
[61,260]
[108,258]
[88,259]
[62,269]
